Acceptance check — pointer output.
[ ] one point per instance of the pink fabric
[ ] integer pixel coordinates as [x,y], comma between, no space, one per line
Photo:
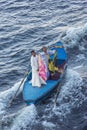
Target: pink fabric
[42,68]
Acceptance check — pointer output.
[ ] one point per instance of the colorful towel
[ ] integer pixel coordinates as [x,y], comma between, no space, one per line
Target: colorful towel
[42,68]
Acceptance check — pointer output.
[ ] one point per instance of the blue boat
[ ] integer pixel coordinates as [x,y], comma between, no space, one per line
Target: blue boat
[35,95]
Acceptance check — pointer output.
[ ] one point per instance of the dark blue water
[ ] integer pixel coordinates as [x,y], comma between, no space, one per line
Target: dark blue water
[30,24]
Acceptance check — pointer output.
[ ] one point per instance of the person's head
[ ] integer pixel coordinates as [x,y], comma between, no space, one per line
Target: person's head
[44,49]
[33,53]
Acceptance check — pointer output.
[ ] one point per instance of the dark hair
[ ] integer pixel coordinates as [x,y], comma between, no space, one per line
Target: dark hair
[32,51]
[44,47]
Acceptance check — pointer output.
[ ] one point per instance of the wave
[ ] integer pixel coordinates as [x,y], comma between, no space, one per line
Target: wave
[75,36]
[7,96]
[71,95]
[25,118]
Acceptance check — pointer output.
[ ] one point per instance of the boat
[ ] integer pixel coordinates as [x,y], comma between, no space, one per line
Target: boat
[35,95]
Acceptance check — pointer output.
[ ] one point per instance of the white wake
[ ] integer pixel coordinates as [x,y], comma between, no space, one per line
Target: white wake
[25,118]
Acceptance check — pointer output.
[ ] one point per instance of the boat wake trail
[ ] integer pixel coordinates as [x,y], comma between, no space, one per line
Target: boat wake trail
[21,119]
[70,98]
[76,37]
[71,95]
[25,118]
[6,97]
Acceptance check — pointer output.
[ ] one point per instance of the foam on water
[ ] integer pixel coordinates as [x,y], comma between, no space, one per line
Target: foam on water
[48,124]
[78,67]
[25,118]
[6,97]
[80,57]
[71,95]
[74,35]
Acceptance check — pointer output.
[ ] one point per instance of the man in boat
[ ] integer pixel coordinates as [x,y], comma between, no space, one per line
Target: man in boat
[45,57]
[36,79]
[50,65]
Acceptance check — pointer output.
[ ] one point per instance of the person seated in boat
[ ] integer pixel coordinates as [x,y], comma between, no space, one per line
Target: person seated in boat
[45,57]
[36,79]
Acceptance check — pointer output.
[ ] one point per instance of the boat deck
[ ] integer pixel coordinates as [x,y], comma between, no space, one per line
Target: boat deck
[36,92]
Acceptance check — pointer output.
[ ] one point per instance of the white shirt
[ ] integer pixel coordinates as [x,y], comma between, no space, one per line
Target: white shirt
[34,63]
[45,56]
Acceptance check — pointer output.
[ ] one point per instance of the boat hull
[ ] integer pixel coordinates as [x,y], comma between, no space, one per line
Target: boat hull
[35,95]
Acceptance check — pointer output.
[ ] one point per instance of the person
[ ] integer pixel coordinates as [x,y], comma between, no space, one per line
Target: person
[36,79]
[45,57]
